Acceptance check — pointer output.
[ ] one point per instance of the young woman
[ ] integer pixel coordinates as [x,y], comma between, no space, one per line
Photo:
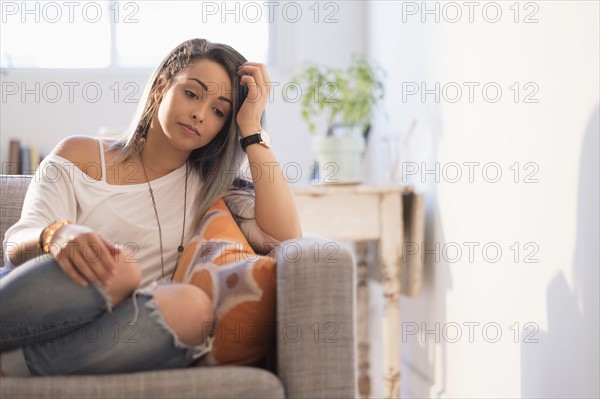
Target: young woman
[104,223]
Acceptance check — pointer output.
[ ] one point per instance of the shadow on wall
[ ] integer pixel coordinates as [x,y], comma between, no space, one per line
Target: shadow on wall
[424,354]
[566,361]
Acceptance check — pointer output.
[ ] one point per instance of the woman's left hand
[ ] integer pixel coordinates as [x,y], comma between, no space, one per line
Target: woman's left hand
[255,77]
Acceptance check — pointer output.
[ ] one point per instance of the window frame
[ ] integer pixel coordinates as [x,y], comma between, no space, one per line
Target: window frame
[113,64]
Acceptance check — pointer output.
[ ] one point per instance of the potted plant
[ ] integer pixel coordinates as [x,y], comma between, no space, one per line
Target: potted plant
[347,98]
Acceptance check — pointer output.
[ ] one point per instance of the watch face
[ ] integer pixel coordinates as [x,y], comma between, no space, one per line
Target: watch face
[265,139]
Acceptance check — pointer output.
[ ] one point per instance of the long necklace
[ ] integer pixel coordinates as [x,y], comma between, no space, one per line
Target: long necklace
[180,248]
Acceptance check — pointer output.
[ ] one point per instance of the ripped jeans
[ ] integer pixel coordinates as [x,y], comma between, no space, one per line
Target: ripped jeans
[50,325]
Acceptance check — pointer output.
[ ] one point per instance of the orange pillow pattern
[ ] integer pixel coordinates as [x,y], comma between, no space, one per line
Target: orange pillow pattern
[241,284]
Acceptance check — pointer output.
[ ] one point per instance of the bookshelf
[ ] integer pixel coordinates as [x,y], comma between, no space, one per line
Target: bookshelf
[22,159]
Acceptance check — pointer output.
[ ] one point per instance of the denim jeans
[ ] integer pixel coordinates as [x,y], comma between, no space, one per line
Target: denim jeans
[50,325]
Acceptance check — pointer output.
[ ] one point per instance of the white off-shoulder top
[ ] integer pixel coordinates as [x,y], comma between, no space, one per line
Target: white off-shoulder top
[123,214]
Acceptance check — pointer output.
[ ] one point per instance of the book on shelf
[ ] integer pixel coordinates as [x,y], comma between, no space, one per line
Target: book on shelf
[22,160]
[14,158]
[25,161]
[34,158]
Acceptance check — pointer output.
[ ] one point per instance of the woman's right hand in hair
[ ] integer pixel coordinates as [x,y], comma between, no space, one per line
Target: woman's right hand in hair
[83,254]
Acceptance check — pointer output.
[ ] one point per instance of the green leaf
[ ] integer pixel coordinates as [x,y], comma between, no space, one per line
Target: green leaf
[345,96]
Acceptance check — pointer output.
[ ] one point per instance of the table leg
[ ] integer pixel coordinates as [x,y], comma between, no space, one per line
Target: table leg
[362,317]
[390,253]
[391,344]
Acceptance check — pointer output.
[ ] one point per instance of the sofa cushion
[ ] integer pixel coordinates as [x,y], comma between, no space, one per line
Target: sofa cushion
[241,284]
[206,382]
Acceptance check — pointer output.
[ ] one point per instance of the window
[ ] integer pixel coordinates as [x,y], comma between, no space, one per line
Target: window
[42,35]
[130,34]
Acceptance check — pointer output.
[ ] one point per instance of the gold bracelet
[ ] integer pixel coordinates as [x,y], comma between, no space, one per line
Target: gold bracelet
[48,233]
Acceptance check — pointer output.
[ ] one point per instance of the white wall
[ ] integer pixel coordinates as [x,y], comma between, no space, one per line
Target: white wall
[43,121]
[558,215]
[48,105]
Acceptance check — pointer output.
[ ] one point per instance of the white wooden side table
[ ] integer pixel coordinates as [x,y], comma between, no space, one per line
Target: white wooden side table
[361,214]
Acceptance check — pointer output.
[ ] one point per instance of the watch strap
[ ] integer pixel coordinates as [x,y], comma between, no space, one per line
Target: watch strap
[252,139]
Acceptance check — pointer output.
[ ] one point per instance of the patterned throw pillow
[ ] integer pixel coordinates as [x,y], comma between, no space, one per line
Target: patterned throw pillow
[240,283]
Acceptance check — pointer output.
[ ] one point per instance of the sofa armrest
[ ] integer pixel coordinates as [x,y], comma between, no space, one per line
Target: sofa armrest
[12,194]
[316,318]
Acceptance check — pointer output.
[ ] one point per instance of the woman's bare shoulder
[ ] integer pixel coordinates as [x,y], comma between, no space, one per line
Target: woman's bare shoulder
[81,151]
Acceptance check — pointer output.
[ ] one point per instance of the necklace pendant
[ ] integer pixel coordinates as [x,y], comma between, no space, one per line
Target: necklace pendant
[180,249]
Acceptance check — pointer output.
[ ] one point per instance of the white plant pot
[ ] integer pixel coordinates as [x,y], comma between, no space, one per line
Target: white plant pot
[339,159]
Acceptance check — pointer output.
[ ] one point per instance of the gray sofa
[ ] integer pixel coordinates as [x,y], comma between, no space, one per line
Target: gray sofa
[313,355]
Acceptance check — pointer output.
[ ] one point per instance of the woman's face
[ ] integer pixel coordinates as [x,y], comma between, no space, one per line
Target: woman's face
[195,106]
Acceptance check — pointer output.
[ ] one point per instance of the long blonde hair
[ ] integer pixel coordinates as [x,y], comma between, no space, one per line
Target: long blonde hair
[218,162]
